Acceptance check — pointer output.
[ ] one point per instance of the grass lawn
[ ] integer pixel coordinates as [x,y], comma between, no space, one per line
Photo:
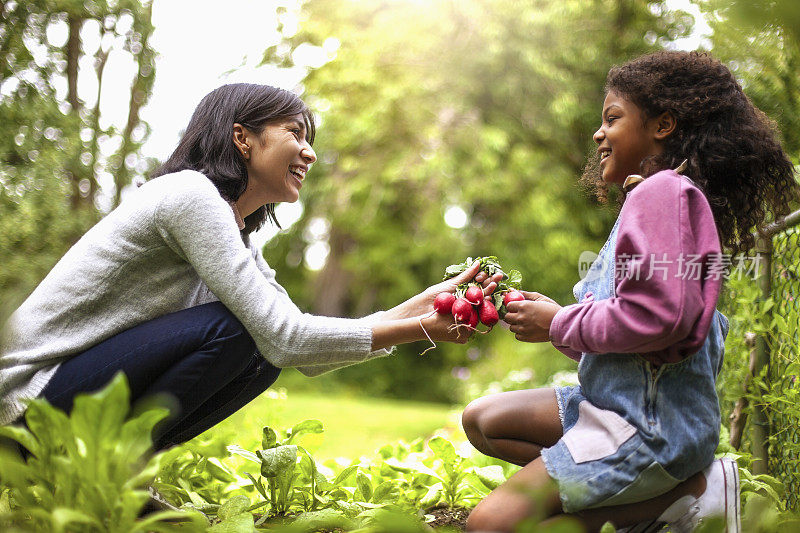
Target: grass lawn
[354,426]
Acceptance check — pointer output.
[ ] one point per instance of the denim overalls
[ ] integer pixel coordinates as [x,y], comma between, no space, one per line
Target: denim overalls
[633,430]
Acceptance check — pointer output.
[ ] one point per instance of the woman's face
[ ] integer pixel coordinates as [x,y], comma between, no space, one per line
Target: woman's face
[277,160]
[625,138]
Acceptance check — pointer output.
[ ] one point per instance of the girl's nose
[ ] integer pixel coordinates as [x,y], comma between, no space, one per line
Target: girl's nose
[308,154]
[598,135]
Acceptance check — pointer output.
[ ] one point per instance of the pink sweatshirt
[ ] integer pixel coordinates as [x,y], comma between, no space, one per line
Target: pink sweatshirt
[666,232]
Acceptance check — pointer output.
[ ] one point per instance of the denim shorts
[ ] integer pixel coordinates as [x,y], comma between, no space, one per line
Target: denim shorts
[601,460]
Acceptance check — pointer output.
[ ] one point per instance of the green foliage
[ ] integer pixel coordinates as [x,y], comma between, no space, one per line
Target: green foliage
[87,471]
[769,64]
[54,149]
[292,488]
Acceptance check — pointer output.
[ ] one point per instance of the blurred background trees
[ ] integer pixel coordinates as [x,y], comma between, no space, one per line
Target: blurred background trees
[62,165]
[446,129]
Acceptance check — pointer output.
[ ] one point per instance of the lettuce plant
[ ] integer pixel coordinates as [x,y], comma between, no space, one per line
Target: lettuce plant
[85,472]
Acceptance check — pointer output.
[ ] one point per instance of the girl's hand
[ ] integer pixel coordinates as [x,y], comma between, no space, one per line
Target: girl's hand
[422,304]
[530,318]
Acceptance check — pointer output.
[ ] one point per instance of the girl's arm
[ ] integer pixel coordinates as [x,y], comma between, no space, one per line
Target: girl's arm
[668,259]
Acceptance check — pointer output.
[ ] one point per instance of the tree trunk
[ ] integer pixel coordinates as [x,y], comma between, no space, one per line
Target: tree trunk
[139,93]
[73,56]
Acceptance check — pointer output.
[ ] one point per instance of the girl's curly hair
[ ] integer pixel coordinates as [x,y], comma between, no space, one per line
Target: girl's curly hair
[731,147]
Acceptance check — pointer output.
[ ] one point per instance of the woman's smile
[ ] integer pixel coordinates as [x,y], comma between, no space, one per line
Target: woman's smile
[298,173]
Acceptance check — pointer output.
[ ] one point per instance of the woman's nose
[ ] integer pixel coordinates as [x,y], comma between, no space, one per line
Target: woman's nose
[308,154]
[598,135]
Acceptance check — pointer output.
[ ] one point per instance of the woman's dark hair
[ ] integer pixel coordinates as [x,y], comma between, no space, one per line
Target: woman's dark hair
[732,150]
[207,144]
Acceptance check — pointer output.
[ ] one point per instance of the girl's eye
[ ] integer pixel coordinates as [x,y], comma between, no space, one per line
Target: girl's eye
[611,119]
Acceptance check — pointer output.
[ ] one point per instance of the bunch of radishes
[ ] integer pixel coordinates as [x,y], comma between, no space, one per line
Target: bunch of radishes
[468,305]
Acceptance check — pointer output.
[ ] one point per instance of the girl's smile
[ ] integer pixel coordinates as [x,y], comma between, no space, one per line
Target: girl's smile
[626,137]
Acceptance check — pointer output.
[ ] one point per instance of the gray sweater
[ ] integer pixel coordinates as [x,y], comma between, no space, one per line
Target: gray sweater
[172,244]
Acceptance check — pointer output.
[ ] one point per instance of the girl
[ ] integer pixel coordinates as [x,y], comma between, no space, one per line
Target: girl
[634,442]
[168,288]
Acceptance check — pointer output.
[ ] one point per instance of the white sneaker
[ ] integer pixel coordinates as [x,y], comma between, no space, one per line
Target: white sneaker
[720,500]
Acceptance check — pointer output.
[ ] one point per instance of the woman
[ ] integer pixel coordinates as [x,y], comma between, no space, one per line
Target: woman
[168,289]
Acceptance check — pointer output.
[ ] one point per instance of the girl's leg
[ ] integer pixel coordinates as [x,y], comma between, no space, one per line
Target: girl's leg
[513,426]
[646,511]
[187,357]
[529,494]
[532,494]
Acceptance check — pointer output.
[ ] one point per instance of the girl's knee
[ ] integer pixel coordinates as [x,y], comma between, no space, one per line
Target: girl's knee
[485,519]
[470,418]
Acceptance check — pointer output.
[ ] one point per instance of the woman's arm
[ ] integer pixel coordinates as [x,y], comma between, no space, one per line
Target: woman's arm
[199,226]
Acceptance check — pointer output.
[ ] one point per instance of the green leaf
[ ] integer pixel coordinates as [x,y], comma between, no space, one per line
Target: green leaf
[433,496]
[240,523]
[234,506]
[443,449]
[324,519]
[219,470]
[514,279]
[235,449]
[165,521]
[278,461]
[63,517]
[21,435]
[345,474]
[399,466]
[491,476]
[364,485]
[383,491]
[269,439]
[99,416]
[306,426]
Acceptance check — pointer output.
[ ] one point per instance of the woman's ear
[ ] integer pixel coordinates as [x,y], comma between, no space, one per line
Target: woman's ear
[240,140]
[665,125]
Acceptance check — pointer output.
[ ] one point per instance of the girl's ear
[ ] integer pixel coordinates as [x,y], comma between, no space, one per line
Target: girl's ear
[665,125]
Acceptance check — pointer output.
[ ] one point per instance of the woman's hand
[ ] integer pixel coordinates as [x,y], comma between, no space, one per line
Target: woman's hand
[422,303]
[530,318]
[444,328]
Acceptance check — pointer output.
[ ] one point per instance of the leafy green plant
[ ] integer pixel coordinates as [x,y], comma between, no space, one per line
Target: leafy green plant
[193,475]
[289,474]
[86,472]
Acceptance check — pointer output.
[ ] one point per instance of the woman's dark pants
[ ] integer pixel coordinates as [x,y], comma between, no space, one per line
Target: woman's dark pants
[201,360]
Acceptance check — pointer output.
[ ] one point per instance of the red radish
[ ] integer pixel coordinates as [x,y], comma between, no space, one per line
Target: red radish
[488,312]
[512,296]
[444,303]
[474,295]
[462,310]
[473,319]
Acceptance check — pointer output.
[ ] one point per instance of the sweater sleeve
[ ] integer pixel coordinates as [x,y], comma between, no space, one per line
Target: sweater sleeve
[315,369]
[199,226]
[667,251]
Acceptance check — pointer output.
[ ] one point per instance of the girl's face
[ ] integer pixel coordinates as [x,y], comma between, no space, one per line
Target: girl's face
[625,138]
[277,160]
